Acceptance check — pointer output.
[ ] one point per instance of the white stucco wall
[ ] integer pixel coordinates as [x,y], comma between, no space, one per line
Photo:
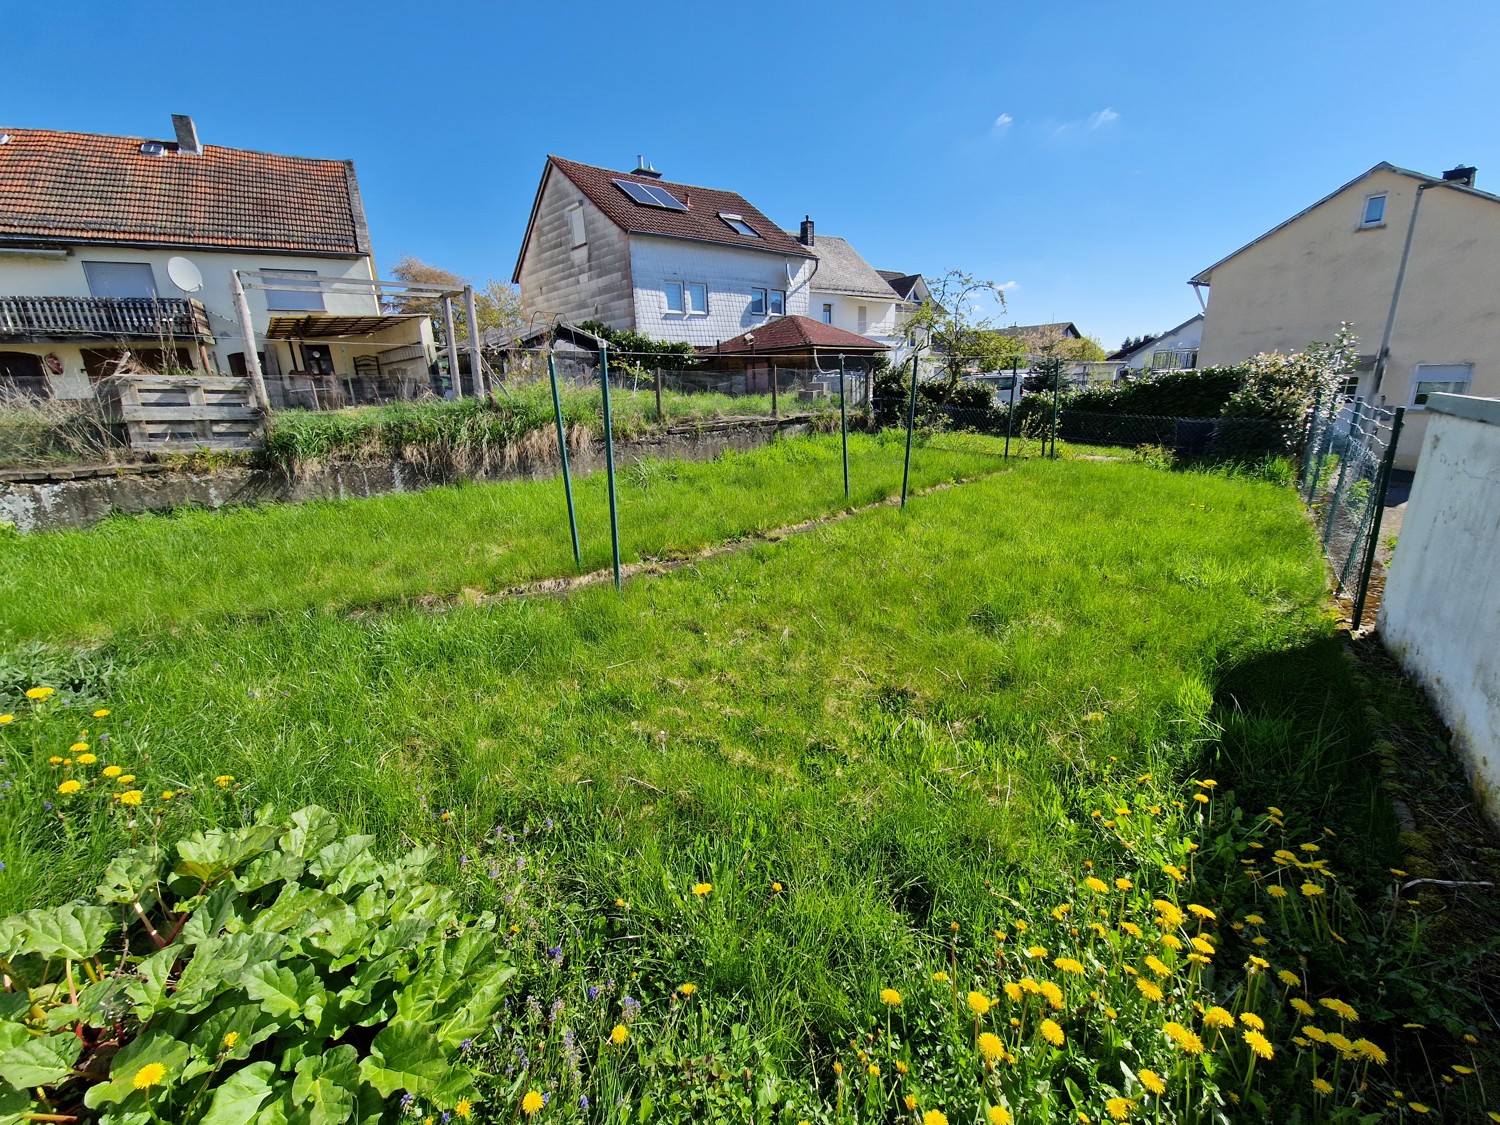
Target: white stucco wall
[1440,614]
[21,275]
[729,273]
[882,324]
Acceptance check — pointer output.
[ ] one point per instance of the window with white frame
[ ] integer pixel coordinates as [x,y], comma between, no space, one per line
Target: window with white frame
[575,226]
[1374,212]
[301,292]
[827,314]
[778,302]
[697,298]
[1439,378]
[1349,388]
[757,302]
[673,290]
[861,319]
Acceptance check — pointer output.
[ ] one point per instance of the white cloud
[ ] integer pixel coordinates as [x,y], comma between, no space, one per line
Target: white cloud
[1103,117]
[1003,122]
[1008,286]
[1096,120]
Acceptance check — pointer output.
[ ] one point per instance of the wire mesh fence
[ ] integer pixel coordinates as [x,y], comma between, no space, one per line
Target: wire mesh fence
[1346,471]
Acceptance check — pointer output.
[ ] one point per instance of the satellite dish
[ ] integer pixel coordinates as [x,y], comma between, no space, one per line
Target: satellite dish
[184,275]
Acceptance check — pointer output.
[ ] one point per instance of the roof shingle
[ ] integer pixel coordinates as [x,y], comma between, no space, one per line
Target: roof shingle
[700,221]
[841,269]
[89,187]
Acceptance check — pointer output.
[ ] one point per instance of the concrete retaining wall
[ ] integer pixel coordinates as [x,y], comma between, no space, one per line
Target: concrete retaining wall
[1440,614]
[53,499]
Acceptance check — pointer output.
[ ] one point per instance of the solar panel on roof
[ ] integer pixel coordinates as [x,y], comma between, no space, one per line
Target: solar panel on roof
[650,195]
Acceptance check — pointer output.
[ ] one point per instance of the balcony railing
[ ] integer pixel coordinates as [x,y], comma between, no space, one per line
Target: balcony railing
[104,318]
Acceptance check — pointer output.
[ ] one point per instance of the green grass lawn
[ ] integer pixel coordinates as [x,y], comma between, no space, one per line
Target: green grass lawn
[868,738]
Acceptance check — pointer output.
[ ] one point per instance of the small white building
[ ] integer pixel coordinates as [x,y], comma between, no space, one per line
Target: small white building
[1173,350]
[121,248]
[848,293]
[673,261]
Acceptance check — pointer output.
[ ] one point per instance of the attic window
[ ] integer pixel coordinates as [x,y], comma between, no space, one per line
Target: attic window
[651,195]
[738,224]
[1374,213]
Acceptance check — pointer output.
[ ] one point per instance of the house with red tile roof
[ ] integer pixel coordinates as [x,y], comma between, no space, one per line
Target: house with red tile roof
[674,261]
[122,248]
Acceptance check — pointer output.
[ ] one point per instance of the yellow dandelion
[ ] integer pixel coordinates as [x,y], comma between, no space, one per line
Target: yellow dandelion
[1052,1033]
[934,1117]
[1259,963]
[39,695]
[702,889]
[111,771]
[1302,1007]
[1340,1009]
[890,997]
[103,712]
[225,780]
[1337,1041]
[990,1046]
[997,1115]
[464,1108]
[1171,941]
[1369,1050]
[1418,1107]
[124,778]
[1174,871]
[149,1075]
[687,989]
[910,1102]
[230,1039]
[1203,946]
[874,1070]
[1052,994]
[1013,991]
[1201,911]
[1131,928]
[1036,951]
[7,719]
[1275,890]
[776,888]
[1119,1108]
[1201,798]
[1218,1017]
[55,760]
[1148,989]
[1250,1019]
[86,759]
[1069,965]
[1259,1044]
[1312,890]
[979,1003]
[1185,1039]
[1464,1070]
[1315,1033]
[69,787]
[1322,1085]
[1168,913]
[901,1067]
[940,976]
[1289,978]
[619,1034]
[1156,965]
[1153,1082]
[532,1103]
[131,797]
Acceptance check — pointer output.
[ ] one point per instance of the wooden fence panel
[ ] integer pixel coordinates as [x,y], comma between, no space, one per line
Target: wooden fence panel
[181,415]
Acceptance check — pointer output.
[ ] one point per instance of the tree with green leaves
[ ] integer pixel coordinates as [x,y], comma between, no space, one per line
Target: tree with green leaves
[961,337]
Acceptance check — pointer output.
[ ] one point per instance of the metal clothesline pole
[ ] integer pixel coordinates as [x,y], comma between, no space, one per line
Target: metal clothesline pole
[562,453]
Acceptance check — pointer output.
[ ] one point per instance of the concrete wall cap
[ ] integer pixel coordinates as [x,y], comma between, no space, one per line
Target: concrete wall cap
[1472,407]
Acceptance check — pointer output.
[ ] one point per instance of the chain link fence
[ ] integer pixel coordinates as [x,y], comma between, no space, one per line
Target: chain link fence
[1346,470]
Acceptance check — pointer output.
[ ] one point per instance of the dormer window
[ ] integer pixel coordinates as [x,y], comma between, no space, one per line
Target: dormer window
[1374,213]
[737,224]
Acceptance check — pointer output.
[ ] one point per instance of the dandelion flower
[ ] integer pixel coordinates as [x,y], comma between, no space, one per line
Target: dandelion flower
[1119,1108]
[1315,1033]
[224,780]
[1171,917]
[890,997]
[1096,884]
[1052,1033]
[934,1117]
[131,797]
[69,787]
[1418,1107]
[979,1003]
[1289,978]
[1173,870]
[7,719]
[230,1039]
[776,888]
[1171,941]
[990,1046]
[103,712]
[55,760]
[910,1102]
[532,1103]
[1201,798]
[1036,951]
[1185,1039]
[1153,1082]
[687,989]
[39,695]
[152,1073]
[1203,946]
[1370,1051]
[1322,1085]
[111,771]
[1013,991]
[1131,928]
[702,889]
[1069,965]
[997,1115]
[1052,993]
[1339,1043]
[1155,964]
[1340,1009]
[1217,1017]
[1464,1070]
[1302,1007]
[1148,989]
[1312,890]
[1259,1044]
[1275,890]
[464,1108]
[874,1071]
[1250,1019]
[125,778]
[940,976]
[1202,911]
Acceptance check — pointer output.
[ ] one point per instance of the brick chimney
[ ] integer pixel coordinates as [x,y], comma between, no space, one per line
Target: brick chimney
[187,135]
[806,237]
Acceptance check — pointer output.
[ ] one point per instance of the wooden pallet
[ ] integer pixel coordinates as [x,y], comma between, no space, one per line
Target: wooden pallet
[182,414]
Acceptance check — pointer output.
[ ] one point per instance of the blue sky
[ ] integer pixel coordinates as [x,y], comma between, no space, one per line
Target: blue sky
[1090,156]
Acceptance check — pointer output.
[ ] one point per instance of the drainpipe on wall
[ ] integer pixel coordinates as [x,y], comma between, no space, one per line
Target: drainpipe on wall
[1383,356]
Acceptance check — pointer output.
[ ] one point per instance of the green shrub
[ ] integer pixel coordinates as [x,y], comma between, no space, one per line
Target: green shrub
[277,972]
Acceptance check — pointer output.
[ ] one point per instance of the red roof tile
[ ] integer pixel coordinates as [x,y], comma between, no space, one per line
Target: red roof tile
[89,187]
[700,221]
[794,334]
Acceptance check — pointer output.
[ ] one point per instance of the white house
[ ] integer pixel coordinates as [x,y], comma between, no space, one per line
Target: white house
[115,247]
[847,293]
[673,261]
[1172,350]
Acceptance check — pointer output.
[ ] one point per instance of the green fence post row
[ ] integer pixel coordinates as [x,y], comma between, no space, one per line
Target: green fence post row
[562,453]
[609,461]
[844,426]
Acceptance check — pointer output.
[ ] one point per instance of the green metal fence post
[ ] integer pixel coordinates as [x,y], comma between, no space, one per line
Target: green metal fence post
[1056,401]
[562,453]
[609,461]
[844,425]
[911,422]
[1010,415]
[1373,544]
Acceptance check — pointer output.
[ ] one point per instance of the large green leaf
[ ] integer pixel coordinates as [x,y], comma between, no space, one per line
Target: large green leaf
[239,1097]
[41,1061]
[471,1017]
[152,1046]
[404,1056]
[313,829]
[12,1035]
[130,874]
[208,855]
[282,992]
[325,1086]
[14,1106]
[76,931]
[150,991]
[346,863]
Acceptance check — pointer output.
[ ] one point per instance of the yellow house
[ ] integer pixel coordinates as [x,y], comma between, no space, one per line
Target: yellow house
[1412,261]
